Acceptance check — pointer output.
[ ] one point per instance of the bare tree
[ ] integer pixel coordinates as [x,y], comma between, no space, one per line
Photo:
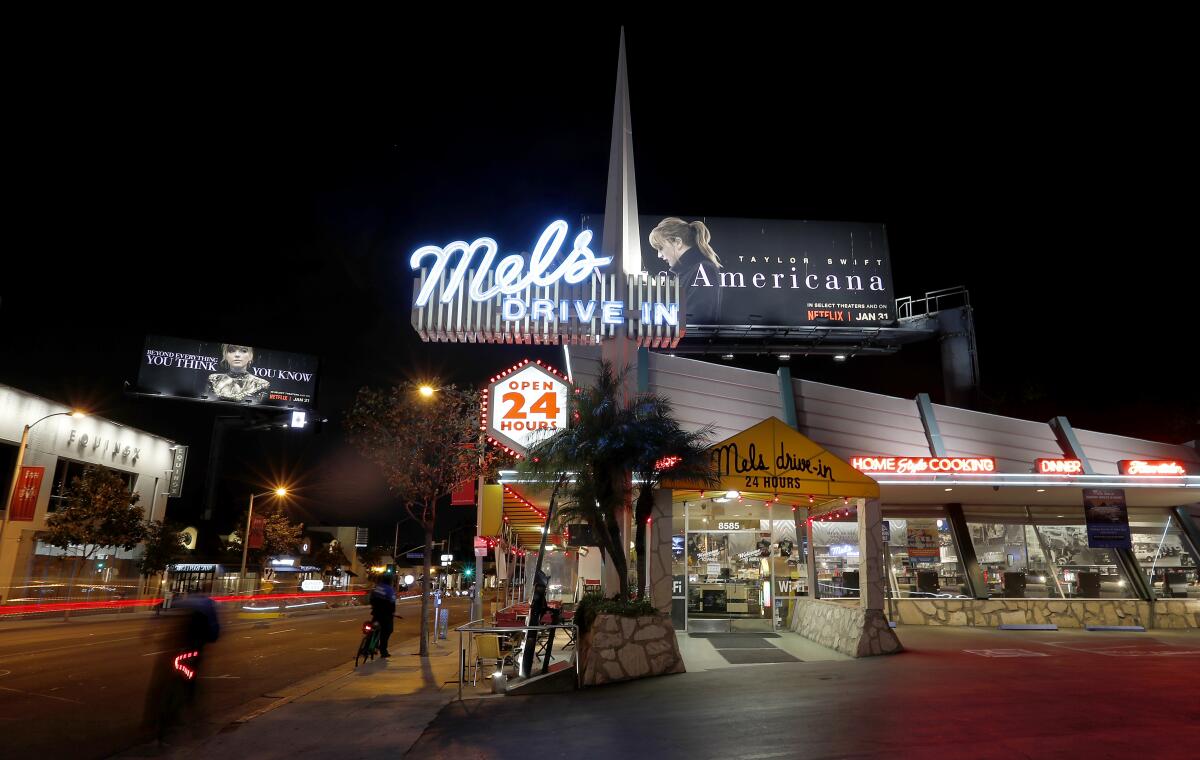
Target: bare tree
[425,445]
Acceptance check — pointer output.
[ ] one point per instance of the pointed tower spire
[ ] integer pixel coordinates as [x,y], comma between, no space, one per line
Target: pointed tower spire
[622,238]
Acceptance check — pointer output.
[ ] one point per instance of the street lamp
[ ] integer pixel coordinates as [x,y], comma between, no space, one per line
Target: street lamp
[16,476]
[280,492]
[426,391]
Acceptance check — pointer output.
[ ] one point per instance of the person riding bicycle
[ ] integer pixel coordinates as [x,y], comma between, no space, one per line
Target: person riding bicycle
[185,629]
[383,607]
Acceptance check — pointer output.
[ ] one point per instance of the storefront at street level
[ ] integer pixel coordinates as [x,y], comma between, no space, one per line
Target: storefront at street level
[59,448]
[1000,544]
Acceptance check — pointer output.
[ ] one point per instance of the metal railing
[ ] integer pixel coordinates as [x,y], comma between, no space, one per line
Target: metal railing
[464,653]
[932,302]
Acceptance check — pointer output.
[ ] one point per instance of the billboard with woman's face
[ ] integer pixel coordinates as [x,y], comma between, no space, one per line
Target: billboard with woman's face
[227,372]
[771,272]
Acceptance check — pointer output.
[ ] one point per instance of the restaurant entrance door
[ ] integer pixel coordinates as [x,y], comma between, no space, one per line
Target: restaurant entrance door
[729,569]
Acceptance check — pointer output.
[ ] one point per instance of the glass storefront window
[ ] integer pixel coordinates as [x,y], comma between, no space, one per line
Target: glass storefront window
[835,544]
[1161,552]
[940,576]
[678,567]
[787,564]
[1042,553]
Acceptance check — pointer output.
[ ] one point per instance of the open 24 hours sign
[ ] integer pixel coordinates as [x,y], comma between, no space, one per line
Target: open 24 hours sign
[525,404]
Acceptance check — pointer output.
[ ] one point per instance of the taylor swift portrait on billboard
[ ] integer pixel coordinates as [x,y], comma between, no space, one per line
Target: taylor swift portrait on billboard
[687,249]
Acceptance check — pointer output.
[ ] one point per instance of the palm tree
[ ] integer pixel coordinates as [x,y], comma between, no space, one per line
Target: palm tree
[662,448]
[608,440]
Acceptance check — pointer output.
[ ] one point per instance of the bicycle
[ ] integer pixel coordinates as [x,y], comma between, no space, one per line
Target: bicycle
[370,643]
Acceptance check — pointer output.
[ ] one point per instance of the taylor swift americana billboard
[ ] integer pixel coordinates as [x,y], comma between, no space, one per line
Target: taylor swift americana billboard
[771,272]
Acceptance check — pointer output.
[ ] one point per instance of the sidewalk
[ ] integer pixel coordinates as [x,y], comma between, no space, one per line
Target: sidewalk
[378,710]
[382,708]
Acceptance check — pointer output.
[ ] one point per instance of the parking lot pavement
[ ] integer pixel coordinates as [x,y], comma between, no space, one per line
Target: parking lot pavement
[954,692]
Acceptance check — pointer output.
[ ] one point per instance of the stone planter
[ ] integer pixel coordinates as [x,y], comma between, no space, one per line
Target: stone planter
[848,628]
[620,648]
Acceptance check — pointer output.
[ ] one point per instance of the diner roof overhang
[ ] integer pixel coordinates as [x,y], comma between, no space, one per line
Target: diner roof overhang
[524,515]
[1033,490]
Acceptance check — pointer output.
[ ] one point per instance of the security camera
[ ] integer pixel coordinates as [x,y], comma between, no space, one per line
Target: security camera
[995,488]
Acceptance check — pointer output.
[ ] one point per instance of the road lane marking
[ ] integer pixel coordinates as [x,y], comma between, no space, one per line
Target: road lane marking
[151,654]
[73,646]
[47,696]
[102,642]
[1141,649]
[285,630]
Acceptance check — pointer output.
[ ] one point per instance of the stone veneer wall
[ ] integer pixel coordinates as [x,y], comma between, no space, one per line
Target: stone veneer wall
[848,628]
[620,648]
[1073,613]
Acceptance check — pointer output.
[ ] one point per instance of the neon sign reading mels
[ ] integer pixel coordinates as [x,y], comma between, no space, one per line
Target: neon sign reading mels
[577,267]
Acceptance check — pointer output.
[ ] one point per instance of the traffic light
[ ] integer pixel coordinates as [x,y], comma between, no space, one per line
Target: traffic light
[467,573]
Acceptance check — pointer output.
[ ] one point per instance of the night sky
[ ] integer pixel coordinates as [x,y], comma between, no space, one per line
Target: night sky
[273,201]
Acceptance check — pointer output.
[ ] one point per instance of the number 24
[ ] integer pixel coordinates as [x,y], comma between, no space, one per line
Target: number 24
[546,405]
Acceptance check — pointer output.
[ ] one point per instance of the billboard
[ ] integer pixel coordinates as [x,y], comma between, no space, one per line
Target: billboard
[772,272]
[227,372]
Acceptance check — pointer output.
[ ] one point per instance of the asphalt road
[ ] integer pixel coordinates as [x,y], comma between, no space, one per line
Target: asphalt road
[78,689]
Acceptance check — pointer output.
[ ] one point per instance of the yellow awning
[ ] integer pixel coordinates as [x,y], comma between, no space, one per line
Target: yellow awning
[773,458]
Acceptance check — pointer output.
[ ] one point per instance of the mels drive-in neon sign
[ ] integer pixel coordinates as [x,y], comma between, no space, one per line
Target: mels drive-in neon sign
[509,280]
[464,294]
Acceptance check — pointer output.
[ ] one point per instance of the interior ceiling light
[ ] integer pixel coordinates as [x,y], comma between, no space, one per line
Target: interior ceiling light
[727,357]
[839,358]
[948,490]
[1041,490]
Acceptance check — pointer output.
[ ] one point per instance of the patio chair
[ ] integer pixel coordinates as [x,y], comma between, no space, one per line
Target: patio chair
[487,649]
[568,616]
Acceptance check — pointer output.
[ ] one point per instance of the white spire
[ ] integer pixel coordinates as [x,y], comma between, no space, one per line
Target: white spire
[622,238]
